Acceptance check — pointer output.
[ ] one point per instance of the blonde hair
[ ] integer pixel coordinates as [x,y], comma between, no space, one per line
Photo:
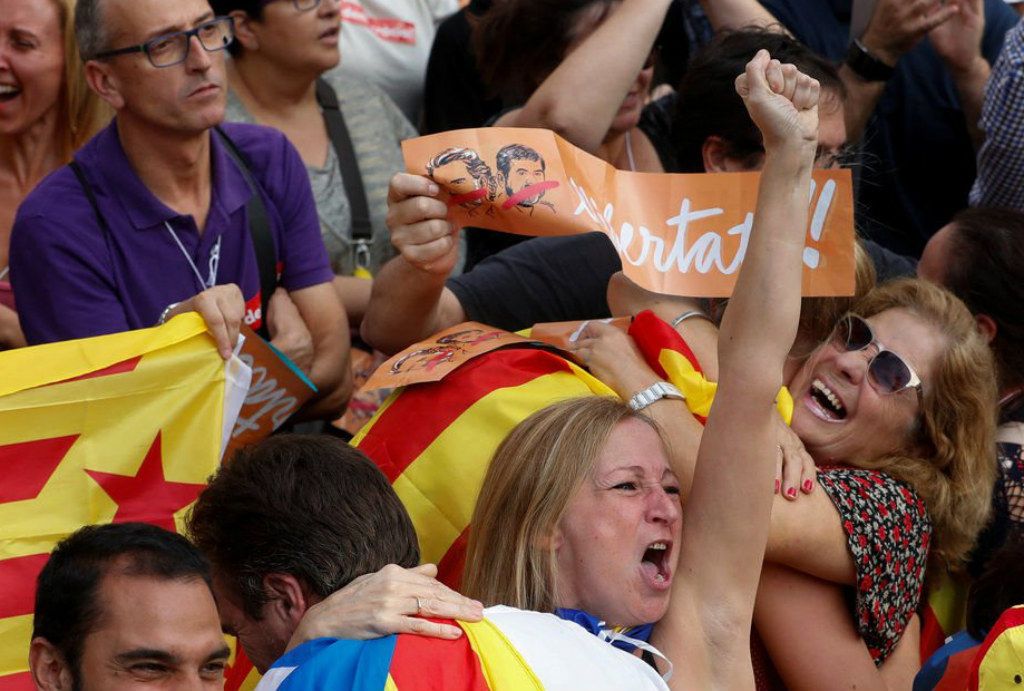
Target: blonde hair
[954,466]
[535,472]
[81,113]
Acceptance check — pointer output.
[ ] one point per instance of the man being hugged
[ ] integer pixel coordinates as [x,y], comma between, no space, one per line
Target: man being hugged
[159,215]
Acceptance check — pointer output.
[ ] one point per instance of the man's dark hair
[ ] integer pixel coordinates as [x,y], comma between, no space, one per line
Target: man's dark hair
[516,152]
[90,33]
[309,506]
[708,105]
[983,269]
[67,587]
[253,8]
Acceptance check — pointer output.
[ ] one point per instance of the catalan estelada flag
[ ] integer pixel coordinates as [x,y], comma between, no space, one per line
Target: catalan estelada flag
[116,428]
[435,440]
[510,650]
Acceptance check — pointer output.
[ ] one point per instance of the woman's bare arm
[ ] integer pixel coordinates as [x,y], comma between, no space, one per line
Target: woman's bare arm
[790,603]
[725,522]
[580,98]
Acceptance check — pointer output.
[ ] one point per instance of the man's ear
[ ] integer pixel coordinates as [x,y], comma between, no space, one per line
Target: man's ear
[714,154]
[50,672]
[244,33]
[987,327]
[102,80]
[288,598]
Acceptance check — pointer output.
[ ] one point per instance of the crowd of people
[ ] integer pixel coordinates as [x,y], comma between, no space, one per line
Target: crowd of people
[242,159]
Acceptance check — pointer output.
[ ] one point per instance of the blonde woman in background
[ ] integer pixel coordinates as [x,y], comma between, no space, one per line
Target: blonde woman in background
[46,113]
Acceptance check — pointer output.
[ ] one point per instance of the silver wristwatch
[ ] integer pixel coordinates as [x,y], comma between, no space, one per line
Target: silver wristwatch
[655,392]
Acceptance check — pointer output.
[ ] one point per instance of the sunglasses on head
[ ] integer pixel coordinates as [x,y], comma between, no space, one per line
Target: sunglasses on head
[888,372]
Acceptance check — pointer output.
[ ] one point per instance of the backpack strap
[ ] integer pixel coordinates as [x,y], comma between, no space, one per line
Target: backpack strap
[352,178]
[259,231]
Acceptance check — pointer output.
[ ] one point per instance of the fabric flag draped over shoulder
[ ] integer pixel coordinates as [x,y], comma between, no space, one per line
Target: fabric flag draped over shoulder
[510,650]
[116,428]
[434,440]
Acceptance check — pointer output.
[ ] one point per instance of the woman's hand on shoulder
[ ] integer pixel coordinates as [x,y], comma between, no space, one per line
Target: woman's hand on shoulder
[782,102]
[795,471]
[392,600]
[611,355]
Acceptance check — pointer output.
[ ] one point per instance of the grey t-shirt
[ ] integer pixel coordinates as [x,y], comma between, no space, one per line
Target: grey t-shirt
[376,128]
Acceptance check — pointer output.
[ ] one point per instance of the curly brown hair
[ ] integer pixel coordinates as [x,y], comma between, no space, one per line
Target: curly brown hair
[954,469]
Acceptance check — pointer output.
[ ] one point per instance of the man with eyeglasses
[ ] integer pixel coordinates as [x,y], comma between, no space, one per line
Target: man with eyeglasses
[160,214]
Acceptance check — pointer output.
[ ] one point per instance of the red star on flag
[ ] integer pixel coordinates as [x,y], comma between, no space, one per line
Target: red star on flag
[147,496]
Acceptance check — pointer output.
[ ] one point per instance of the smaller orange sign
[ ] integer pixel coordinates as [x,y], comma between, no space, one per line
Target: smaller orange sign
[278,389]
[675,234]
[431,360]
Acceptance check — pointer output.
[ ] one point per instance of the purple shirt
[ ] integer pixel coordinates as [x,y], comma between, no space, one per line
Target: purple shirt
[72,280]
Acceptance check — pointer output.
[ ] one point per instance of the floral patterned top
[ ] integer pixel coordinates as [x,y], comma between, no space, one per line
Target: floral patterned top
[888,532]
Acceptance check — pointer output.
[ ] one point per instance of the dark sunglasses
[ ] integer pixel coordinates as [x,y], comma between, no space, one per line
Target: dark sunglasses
[887,371]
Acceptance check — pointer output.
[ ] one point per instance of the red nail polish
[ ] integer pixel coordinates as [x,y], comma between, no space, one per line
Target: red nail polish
[791,492]
[778,484]
[808,485]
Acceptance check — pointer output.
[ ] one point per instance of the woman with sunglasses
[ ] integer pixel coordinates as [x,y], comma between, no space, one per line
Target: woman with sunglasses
[46,113]
[282,50]
[896,409]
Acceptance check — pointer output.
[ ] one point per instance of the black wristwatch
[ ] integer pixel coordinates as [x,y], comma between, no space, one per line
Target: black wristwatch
[865,65]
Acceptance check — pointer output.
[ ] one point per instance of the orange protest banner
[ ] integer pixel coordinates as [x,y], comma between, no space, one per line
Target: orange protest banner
[679,234]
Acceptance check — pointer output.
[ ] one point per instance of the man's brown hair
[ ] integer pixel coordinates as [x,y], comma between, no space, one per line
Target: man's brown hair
[309,506]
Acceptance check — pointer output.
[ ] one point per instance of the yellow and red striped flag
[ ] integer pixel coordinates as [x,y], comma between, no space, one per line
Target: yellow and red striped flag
[116,428]
[434,440]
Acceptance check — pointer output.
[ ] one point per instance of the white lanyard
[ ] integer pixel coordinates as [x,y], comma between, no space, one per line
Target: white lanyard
[611,635]
[211,279]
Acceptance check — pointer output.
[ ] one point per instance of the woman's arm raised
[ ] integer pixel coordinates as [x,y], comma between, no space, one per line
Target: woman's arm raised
[725,522]
[580,98]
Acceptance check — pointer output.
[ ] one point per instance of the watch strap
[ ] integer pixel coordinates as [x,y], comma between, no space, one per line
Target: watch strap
[865,65]
[654,392]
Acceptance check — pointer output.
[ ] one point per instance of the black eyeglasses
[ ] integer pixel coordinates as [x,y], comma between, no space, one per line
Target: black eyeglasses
[172,49]
[888,372]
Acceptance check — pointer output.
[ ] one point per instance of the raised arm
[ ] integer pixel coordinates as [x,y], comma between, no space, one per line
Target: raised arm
[409,300]
[737,14]
[580,98]
[958,43]
[895,27]
[725,523]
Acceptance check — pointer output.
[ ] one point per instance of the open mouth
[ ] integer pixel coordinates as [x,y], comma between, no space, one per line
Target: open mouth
[829,404]
[9,92]
[654,563]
